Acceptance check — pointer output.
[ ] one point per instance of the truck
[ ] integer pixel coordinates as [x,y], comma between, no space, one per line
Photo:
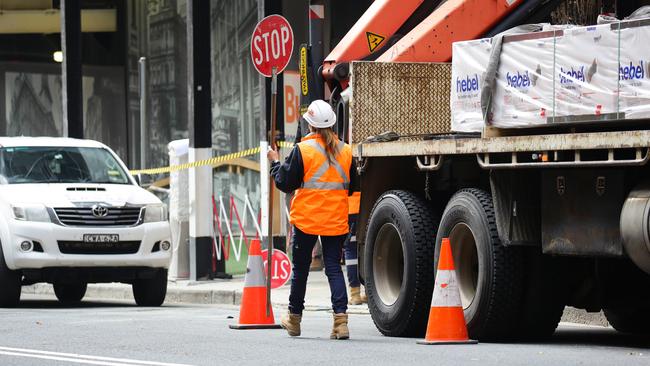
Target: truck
[72,215]
[539,218]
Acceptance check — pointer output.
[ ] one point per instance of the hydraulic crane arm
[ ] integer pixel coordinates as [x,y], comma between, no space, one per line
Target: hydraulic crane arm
[428,41]
[374,32]
[454,20]
[429,37]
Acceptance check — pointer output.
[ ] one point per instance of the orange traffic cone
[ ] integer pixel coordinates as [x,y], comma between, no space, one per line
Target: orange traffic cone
[252,313]
[446,320]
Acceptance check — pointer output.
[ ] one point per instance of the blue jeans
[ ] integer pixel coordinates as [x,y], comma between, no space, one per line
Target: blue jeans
[350,248]
[302,245]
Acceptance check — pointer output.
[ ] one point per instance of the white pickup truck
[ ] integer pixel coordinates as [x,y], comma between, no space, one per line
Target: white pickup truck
[70,214]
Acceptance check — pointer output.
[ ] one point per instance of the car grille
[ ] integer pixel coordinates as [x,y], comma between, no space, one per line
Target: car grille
[83,216]
[80,247]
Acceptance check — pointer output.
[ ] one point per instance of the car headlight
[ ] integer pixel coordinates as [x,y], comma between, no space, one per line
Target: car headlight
[155,213]
[31,213]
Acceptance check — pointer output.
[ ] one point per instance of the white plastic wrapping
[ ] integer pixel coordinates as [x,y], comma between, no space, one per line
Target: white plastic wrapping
[179,201]
[470,60]
[179,210]
[574,74]
[586,78]
[524,91]
[634,73]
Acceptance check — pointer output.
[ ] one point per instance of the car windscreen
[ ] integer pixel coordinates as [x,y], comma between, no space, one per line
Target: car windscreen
[59,165]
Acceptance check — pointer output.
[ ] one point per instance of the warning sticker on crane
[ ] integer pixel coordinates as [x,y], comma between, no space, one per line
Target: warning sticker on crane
[374,40]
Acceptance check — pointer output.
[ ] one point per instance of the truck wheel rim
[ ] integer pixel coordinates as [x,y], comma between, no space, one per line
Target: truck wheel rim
[388,264]
[466,262]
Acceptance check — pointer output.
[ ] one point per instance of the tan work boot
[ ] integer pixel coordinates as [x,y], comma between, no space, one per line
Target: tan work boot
[364,297]
[291,323]
[356,298]
[316,264]
[340,329]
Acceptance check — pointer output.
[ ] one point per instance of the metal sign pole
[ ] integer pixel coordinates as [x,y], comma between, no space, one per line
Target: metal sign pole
[143,111]
[269,239]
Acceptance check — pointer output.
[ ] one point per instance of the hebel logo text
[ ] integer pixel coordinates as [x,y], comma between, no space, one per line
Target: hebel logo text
[570,75]
[632,71]
[518,80]
[468,84]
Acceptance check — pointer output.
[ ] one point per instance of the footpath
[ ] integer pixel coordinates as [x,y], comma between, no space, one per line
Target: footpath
[228,292]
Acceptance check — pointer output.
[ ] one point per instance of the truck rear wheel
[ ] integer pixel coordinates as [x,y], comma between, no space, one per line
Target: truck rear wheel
[10,284]
[489,275]
[70,293]
[398,263]
[151,291]
[634,320]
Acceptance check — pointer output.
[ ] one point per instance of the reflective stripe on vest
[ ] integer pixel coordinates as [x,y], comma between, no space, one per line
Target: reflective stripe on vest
[314,181]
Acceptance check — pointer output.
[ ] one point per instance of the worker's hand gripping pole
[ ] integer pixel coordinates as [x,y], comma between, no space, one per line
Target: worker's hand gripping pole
[269,238]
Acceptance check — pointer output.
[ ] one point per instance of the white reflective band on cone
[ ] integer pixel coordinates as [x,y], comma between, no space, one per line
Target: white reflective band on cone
[255,272]
[445,292]
[351,262]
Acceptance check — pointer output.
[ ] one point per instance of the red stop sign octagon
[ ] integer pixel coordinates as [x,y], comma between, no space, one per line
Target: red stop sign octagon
[281,270]
[271,45]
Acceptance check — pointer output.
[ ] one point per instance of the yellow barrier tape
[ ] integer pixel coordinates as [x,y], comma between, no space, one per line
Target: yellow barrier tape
[212,161]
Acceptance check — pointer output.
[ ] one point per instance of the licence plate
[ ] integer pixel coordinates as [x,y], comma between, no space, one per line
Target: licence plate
[101,238]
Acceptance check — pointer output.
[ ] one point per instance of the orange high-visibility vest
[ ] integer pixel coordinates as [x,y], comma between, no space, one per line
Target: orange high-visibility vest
[354,201]
[320,206]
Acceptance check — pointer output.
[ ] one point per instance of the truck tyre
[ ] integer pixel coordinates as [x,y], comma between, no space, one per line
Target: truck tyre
[489,275]
[543,296]
[634,320]
[70,293]
[10,284]
[398,263]
[151,292]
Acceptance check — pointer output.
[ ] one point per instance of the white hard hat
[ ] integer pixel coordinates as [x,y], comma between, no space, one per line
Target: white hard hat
[320,114]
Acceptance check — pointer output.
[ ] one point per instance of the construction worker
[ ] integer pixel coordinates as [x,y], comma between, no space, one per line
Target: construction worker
[350,249]
[318,169]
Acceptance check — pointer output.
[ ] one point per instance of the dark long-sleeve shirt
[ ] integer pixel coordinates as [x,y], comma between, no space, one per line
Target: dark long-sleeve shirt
[288,176]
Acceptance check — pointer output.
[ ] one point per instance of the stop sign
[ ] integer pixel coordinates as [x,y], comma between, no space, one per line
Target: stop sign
[271,45]
[281,270]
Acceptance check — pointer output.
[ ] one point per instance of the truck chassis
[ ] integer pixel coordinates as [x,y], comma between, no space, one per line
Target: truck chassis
[536,222]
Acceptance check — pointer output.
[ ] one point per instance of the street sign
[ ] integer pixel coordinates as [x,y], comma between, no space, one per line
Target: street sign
[271,45]
[271,49]
[281,270]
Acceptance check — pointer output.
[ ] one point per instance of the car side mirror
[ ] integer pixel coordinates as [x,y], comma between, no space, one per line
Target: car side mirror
[137,179]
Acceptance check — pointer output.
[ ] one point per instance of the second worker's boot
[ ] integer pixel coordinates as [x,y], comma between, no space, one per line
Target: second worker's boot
[340,329]
[291,323]
[364,297]
[355,296]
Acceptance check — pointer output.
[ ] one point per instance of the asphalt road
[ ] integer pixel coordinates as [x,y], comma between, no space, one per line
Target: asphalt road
[41,332]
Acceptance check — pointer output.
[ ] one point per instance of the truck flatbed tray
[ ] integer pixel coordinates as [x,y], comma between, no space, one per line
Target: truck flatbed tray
[508,144]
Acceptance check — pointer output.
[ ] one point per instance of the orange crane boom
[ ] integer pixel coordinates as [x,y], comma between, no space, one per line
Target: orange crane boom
[454,20]
[370,33]
[429,37]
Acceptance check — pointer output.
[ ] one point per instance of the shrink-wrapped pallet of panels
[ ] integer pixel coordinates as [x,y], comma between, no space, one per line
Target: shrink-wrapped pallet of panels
[586,74]
[634,71]
[470,60]
[524,90]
